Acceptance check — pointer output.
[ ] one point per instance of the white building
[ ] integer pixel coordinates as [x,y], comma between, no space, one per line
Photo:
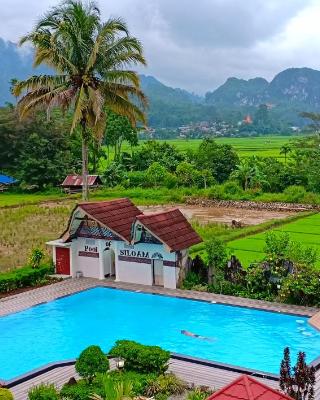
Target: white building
[115,239]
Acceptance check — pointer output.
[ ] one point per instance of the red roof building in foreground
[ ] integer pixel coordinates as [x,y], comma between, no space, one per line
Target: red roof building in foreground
[114,238]
[171,228]
[247,388]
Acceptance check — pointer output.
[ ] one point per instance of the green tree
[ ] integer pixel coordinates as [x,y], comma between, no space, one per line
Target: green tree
[91,362]
[187,174]
[243,173]
[156,174]
[285,150]
[119,129]
[220,159]
[217,256]
[315,120]
[153,151]
[114,174]
[89,57]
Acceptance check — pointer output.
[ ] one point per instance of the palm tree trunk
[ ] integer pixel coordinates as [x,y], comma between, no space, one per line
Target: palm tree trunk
[85,191]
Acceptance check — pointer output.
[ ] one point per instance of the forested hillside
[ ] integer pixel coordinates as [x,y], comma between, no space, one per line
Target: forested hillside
[290,92]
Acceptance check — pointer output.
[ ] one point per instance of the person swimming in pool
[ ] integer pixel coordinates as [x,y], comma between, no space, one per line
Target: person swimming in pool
[195,335]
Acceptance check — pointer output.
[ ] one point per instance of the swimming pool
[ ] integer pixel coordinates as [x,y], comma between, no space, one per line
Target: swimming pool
[61,329]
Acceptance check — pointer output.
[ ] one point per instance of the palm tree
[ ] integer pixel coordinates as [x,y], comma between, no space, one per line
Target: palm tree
[91,61]
[285,150]
[243,173]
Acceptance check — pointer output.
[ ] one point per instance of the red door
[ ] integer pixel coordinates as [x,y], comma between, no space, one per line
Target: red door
[62,261]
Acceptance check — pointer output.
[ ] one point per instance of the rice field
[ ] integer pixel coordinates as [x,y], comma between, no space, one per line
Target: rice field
[264,146]
[24,228]
[305,231]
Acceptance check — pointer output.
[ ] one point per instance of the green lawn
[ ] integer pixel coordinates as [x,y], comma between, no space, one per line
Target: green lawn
[305,231]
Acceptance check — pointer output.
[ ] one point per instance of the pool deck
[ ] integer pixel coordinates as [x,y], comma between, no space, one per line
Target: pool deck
[191,372]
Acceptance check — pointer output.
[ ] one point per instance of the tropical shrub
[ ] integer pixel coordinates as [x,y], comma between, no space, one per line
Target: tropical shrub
[295,193]
[36,258]
[5,394]
[198,394]
[167,384]
[139,381]
[302,287]
[43,392]
[23,277]
[80,391]
[141,358]
[91,361]
[120,390]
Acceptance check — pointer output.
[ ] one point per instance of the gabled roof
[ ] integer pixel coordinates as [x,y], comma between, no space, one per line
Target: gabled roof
[117,215]
[172,228]
[6,180]
[247,388]
[77,180]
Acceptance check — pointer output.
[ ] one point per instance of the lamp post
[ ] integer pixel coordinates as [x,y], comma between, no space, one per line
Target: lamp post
[120,363]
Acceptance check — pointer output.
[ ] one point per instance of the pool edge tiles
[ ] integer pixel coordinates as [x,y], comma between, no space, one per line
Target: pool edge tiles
[140,300]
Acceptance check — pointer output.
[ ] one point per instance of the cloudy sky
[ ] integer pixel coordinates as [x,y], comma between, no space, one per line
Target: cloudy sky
[197,44]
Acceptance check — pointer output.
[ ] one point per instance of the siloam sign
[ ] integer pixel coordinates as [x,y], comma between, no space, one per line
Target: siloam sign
[139,254]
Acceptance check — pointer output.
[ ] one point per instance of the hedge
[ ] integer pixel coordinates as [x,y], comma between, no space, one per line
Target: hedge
[23,277]
[141,358]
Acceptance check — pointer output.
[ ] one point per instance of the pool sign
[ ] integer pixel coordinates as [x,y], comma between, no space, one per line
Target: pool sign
[89,251]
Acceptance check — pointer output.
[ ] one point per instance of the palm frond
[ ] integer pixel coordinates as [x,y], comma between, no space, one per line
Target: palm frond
[48,82]
[80,108]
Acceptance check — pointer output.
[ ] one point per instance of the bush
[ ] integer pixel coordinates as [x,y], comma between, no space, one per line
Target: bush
[43,392]
[5,394]
[23,277]
[302,287]
[232,188]
[167,385]
[36,257]
[80,391]
[139,381]
[90,362]
[136,179]
[141,358]
[198,394]
[295,193]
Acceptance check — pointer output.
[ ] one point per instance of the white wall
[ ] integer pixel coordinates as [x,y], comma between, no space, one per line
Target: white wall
[169,277]
[128,270]
[89,266]
[137,272]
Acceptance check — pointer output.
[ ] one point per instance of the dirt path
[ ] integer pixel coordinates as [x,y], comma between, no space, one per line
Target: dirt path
[223,214]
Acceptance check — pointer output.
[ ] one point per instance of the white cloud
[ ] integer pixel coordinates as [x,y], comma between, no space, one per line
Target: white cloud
[198,44]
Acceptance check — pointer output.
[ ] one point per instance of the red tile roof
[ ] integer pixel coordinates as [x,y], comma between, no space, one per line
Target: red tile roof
[117,215]
[247,388]
[76,180]
[172,228]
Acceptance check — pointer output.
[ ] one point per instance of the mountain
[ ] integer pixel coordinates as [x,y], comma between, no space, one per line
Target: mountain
[290,92]
[291,87]
[238,92]
[15,64]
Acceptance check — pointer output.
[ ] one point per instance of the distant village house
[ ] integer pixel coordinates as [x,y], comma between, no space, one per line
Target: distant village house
[73,183]
[6,182]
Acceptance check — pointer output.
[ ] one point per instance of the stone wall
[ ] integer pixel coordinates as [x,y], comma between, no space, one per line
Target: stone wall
[276,206]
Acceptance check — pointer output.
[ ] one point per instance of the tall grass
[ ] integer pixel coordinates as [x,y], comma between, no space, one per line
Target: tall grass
[28,227]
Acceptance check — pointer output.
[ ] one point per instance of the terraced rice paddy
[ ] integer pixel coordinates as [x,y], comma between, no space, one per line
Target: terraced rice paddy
[305,231]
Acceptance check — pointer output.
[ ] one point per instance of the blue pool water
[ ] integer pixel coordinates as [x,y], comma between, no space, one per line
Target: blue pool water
[61,329]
